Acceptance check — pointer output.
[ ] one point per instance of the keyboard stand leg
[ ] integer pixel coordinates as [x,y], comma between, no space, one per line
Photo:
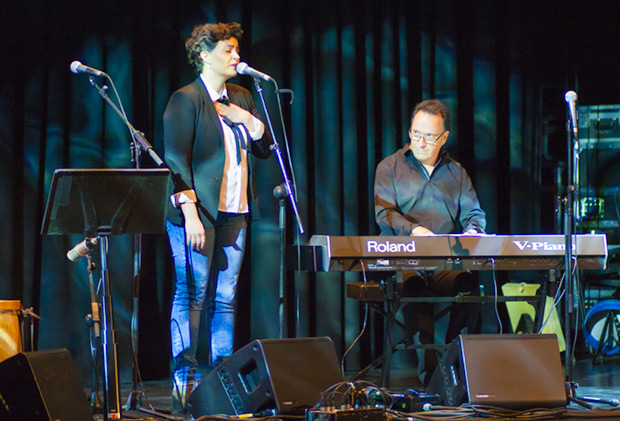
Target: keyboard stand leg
[391,304]
[542,293]
[378,362]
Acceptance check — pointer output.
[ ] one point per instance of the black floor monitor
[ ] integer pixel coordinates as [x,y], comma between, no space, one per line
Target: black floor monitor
[507,371]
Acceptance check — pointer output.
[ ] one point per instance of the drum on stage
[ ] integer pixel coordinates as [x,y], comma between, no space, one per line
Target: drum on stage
[10,337]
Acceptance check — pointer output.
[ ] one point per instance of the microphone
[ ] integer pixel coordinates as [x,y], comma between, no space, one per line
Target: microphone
[244,69]
[571,99]
[81,249]
[77,67]
[279,192]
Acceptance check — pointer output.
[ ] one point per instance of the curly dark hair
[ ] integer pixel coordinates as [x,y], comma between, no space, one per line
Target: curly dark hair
[205,37]
[434,107]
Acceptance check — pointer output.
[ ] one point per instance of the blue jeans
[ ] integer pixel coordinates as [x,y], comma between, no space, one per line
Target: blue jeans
[208,276]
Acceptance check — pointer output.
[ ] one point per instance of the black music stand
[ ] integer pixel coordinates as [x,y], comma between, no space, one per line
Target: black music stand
[100,203]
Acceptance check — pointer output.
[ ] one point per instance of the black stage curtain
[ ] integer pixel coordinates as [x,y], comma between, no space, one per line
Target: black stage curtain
[356,67]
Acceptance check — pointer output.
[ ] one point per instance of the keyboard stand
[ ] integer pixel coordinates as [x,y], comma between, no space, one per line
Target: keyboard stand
[392,302]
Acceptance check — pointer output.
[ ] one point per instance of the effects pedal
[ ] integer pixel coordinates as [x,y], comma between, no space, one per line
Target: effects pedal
[413,401]
[358,414]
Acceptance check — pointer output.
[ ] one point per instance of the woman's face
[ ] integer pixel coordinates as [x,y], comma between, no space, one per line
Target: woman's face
[223,59]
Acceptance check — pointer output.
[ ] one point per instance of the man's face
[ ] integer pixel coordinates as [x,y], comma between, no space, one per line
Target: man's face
[427,136]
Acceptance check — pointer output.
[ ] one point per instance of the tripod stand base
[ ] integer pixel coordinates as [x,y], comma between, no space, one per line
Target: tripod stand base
[587,401]
[159,414]
[134,401]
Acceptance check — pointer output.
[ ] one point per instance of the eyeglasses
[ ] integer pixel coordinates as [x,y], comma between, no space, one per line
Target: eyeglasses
[428,138]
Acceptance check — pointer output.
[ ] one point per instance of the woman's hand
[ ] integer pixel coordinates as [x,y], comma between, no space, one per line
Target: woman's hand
[234,113]
[195,236]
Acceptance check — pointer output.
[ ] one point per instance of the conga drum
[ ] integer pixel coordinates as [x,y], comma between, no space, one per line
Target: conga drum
[10,337]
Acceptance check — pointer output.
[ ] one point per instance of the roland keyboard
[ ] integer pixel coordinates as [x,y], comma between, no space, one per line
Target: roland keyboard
[457,252]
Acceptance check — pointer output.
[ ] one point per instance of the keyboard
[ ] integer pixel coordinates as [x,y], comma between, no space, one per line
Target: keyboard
[456,252]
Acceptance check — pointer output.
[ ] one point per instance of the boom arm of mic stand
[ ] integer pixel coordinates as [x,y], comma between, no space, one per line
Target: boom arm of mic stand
[276,148]
[146,146]
[137,136]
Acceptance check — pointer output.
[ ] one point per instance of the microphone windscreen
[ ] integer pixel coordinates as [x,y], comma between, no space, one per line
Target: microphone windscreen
[241,67]
[570,96]
[75,66]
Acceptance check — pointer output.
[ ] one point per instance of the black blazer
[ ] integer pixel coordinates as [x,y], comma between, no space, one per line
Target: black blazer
[194,147]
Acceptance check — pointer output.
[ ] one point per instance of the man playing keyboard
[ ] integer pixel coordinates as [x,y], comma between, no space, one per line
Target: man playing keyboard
[421,191]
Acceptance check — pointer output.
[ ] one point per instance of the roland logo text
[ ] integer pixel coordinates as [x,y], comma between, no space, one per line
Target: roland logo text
[373,246]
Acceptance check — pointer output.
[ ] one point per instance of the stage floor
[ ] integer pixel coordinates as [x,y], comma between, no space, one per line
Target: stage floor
[601,380]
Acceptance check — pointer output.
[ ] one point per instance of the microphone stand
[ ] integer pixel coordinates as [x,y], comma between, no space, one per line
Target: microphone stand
[569,229]
[134,399]
[139,144]
[27,312]
[93,321]
[572,274]
[281,192]
[276,148]
[111,392]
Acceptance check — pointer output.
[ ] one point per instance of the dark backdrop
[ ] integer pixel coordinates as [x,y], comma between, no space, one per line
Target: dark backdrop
[357,67]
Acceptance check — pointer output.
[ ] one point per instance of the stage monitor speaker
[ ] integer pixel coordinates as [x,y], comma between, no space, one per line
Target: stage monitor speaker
[285,376]
[42,386]
[508,371]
